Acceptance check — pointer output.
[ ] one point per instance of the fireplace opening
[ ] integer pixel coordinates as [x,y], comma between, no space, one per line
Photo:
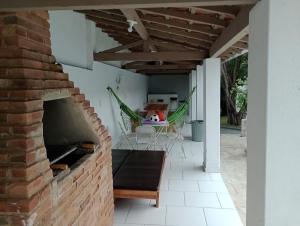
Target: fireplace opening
[67,135]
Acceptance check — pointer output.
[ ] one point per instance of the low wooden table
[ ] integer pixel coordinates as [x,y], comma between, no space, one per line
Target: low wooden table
[138,174]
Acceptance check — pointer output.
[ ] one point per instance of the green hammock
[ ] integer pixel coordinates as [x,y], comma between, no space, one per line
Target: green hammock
[173,118]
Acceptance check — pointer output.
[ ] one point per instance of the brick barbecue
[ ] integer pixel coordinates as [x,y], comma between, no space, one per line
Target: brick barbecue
[30,82]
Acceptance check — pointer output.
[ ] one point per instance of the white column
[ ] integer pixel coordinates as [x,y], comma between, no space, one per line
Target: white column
[273,197]
[199,92]
[193,105]
[212,75]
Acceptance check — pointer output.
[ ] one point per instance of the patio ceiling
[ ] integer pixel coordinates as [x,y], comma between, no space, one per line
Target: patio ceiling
[173,40]
[170,36]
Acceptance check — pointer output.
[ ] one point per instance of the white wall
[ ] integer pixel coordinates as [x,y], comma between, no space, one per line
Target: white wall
[104,42]
[73,40]
[132,90]
[170,84]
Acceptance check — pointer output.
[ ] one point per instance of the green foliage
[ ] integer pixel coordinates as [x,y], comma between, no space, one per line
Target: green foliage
[234,84]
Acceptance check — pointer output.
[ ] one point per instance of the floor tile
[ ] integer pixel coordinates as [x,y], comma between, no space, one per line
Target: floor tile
[196,174]
[184,191]
[183,185]
[212,186]
[170,198]
[164,184]
[197,199]
[224,217]
[172,174]
[186,216]
[128,225]
[226,201]
[216,177]
[121,211]
[146,215]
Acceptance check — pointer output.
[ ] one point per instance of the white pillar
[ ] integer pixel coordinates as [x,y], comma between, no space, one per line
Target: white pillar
[199,92]
[193,105]
[212,76]
[273,197]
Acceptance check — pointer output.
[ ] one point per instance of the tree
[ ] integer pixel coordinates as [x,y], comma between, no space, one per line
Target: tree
[234,85]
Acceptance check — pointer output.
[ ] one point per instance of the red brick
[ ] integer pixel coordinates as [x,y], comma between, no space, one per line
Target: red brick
[25,43]
[28,63]
[25,144]
[16,20]
[54,84]
[75,91]
[24,119]
[20,94]
[21,84]
[28,189]
[20,106]
[28,158]
[28,131]
[79,98]
[14,52]
[30,172]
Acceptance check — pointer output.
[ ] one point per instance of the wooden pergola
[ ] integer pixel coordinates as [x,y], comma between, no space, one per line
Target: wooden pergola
[173,40]
[170,36]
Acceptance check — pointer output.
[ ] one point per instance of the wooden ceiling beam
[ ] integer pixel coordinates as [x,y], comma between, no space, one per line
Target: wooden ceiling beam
[176,38]
[105,15]
[104,22]
[164,72]
[160,67]
[181,25]
[180,32]
[237,29]
[123,47]
[159,27]
[240,45]
[170,45]
[229,11]
[121,33]
[150,56]
[15,5]
[187,16]
[139,27]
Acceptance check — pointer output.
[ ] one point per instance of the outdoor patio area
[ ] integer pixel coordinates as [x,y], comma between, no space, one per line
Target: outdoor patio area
[188,197]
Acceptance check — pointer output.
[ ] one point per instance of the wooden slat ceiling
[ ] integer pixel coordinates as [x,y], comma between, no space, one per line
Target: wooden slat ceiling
[180,32]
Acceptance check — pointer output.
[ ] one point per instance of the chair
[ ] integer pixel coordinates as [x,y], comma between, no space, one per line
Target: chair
[127,138]
[145,136]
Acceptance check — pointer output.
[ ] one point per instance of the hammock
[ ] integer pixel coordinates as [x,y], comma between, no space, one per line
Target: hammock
[172,119]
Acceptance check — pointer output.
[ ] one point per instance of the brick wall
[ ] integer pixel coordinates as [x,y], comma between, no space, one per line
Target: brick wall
[29,194]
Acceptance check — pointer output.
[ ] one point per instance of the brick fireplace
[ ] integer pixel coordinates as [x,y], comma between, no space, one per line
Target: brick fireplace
[35,95]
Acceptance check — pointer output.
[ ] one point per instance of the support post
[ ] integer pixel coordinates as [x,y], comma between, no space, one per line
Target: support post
[212,75]
[193,105]
[273,188]
[200,93]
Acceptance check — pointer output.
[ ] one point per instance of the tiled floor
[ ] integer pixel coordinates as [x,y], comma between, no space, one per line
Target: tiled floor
[188,197]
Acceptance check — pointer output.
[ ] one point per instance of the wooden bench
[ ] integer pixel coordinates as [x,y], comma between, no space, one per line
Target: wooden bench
[137,174]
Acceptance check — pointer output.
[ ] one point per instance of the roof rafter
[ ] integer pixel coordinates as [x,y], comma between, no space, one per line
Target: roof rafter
[200,18]
[182,25]
[161,67]
[180,32]
[123,47]
[150,56]
[181,39]
[229,11]
[165,72]
[139,27]
[233,33]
